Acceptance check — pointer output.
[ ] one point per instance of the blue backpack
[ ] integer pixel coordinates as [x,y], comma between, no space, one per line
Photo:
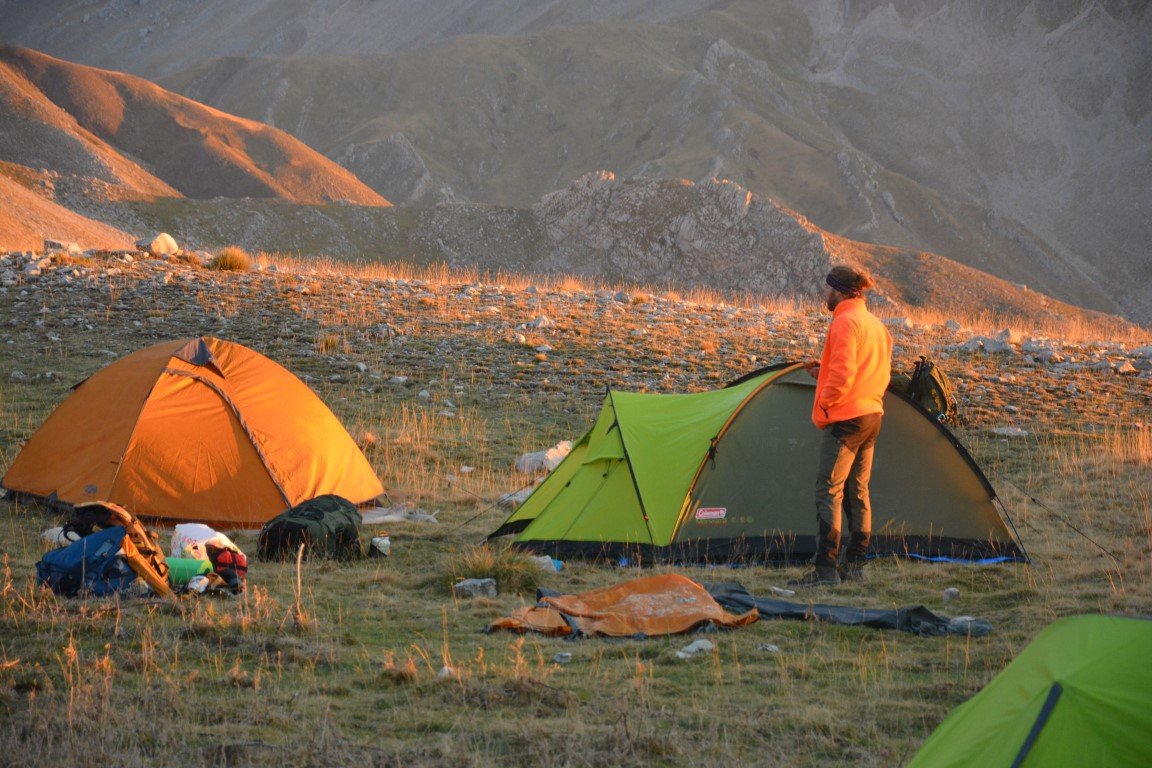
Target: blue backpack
[93,565]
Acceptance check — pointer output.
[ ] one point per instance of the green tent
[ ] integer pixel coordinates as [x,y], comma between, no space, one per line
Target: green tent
[728,475]
[1079,694]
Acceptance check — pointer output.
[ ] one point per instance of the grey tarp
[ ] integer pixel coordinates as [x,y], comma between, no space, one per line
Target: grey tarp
[916,619]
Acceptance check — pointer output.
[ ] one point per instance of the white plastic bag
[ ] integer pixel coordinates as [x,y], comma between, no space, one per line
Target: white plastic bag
[192,540]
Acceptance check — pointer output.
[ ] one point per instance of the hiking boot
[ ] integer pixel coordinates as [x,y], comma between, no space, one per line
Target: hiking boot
[819,576]
[852,572]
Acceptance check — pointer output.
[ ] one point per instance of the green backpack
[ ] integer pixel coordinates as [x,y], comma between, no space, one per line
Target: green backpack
[930,388]
[328,527]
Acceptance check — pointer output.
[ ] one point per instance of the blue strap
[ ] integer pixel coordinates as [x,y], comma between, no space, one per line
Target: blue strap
[1041,720]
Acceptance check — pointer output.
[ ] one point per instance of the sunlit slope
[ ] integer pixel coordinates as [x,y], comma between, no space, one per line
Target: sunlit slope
[196,150]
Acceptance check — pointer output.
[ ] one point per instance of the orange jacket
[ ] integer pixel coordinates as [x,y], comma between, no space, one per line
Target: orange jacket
[855,366]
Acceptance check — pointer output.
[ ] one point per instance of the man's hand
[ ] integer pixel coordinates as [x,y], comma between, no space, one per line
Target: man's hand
[813,368]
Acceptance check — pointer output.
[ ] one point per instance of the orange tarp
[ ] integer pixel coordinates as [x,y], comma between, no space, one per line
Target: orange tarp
[652,605]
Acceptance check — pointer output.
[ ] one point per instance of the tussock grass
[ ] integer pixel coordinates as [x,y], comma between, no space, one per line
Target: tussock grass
[231,259]
[513,571]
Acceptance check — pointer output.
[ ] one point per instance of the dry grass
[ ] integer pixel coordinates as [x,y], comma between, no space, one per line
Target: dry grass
[514,572]
[375,663]
[231,259]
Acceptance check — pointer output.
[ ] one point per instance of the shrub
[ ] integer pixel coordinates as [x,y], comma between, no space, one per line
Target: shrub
[330,343]
[513,571]
[231,259]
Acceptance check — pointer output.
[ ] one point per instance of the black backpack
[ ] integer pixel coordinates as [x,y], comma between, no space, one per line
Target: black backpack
[930,388]
[328,527]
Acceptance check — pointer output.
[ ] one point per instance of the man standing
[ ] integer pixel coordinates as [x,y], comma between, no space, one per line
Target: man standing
[851,378]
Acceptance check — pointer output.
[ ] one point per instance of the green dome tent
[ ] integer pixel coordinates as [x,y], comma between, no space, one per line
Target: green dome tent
[728,475]
[1079,694]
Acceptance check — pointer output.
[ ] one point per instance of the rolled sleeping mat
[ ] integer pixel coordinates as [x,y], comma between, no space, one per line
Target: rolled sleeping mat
[182,569]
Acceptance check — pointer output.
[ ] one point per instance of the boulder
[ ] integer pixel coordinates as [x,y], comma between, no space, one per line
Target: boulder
[162,244]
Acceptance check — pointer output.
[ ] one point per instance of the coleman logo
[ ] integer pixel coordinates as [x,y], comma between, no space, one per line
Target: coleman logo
[711,513]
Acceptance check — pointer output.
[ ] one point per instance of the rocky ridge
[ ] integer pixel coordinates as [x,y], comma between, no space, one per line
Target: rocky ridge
[673,233]
[444,343]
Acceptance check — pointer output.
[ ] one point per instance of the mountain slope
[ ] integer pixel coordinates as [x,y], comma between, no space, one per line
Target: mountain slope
[28,216]
[1009,136]
[198,151]
[972,133]
[155,39]
[38,133]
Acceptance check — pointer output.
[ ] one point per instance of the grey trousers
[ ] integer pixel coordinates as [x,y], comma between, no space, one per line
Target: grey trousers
[842,486]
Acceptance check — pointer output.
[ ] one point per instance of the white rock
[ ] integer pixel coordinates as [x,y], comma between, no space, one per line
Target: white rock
[162,244]
[513,500]
[699,646]
[543,461]
[1010,336]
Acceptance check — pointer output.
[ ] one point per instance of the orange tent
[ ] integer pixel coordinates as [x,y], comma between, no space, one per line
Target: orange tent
[199,429]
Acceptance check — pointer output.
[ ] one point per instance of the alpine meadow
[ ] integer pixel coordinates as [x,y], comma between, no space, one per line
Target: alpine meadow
[441,249]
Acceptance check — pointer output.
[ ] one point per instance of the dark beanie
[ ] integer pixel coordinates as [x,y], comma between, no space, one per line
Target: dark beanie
[848,281]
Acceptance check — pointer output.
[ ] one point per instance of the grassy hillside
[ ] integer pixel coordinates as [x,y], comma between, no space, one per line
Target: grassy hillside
[341,664]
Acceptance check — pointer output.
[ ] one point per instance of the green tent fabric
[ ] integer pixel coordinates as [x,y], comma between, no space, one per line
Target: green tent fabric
[728,475]
[1079,694]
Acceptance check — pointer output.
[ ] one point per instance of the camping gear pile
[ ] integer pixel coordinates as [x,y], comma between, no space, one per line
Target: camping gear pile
[104,549]
[211,553]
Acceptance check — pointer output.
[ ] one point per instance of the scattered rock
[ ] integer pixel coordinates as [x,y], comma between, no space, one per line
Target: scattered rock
[699,646]
[1010,432]
[473,588]
[543,461]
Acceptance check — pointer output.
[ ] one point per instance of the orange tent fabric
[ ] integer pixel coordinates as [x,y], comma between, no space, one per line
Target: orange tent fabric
[652,605]
[197,429]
